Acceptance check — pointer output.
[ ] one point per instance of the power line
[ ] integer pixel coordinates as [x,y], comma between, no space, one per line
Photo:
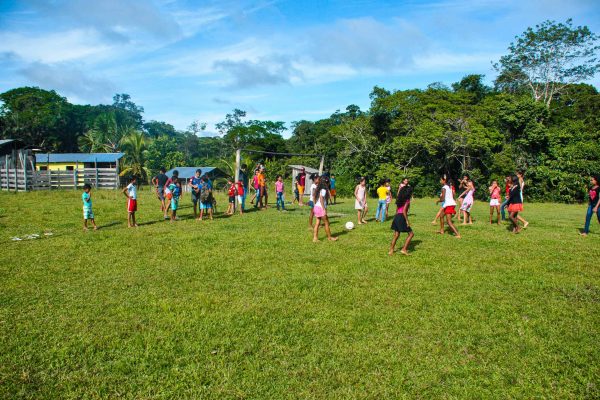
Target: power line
[281,154]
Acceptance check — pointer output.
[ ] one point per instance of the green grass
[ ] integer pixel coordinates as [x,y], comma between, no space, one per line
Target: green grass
[248,307]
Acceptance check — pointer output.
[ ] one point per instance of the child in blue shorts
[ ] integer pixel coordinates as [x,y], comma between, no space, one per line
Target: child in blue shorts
[88,214]
[175,189]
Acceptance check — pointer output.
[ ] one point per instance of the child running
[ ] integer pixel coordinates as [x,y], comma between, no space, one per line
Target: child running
[130,192]
[447,199]
[279,190]
[360,202]
[88,214]
[400,223]
[382,193]
[320,208]
[495,201]
[515,204]
[593,204]
[231,194]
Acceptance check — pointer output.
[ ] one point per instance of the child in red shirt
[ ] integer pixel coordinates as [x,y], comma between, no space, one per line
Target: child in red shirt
[231,194]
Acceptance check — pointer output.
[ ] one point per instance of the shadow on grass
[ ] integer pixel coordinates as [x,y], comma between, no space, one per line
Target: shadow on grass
[104,226]
[414,244]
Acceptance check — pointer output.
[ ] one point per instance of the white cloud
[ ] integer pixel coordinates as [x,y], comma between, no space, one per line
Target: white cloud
[70,81]
[53,47]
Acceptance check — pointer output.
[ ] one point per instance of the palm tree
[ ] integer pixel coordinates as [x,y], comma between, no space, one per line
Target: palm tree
[134,144]
[104,136]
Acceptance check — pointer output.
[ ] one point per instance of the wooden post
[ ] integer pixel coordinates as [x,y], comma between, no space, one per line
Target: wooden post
[96,166]
[49,174]
[75,173]
[6,171]
[59,178]
[24,165]
[117,174]
[321,165]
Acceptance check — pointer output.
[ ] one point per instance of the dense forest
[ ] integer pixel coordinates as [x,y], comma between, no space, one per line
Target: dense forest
[544,123]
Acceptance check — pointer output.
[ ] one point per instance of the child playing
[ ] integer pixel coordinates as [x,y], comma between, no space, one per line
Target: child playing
[175,188]
[320,208]
[495,201]
[279,190]
[360,202]
[311,202]
[468,199]
[332,190]
[388,199]
[240,195]
[88,214]
[382,193]
[447,199]
[400,223]
[515,204]
[206,199]
[296,192]
[521,189]
[130,192]
[593,204]
[231,195]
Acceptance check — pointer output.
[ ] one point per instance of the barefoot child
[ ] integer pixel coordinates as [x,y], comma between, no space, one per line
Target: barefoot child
[593,204]
[522,188]
[332,189]
[320,208]
[130,192]
[382,193]
[88,214]
[495,201]
[311,201]
[388,198]
[241,193]
[515,204]
[175,188]
[400,223]
[231,195]
[360,202]
[279,189]
[447,199]
[468,200]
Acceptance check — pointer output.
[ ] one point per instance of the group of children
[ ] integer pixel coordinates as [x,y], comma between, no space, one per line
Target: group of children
[322,191]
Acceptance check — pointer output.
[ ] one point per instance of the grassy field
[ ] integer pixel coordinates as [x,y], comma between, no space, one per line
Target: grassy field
[248,307]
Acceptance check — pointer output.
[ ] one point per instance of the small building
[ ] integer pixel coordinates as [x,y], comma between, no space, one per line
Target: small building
[186,173]
[73,161]
[309,171]
[16,165]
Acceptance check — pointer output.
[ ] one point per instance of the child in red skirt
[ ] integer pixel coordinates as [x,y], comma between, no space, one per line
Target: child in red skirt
[449,205]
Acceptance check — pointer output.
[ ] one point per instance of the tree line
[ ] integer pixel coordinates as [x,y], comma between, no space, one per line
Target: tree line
[537,117]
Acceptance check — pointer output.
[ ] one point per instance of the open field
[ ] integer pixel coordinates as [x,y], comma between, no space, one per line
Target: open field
[249,307]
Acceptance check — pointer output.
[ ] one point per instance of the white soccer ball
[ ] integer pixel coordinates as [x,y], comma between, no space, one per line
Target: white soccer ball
[349,225]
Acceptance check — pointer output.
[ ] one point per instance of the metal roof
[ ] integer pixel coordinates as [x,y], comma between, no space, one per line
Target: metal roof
[188,172]
[77,157]
[5,141]
[306,169]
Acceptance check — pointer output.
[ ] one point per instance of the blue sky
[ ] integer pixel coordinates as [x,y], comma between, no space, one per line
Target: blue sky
[280,60]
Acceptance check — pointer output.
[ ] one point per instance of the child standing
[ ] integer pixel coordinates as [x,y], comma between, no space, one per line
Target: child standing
[175,188]
[382,193]
[593,204]
[360,200]
[521,189]
[279,190]
[88,214]
[320,208]
[388,199]
[447,199]
[400,223]
[468,200]
[495,201]
[296,192]
[130,192]
[231,195]
[332,190]
[240,195]
[311,201]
